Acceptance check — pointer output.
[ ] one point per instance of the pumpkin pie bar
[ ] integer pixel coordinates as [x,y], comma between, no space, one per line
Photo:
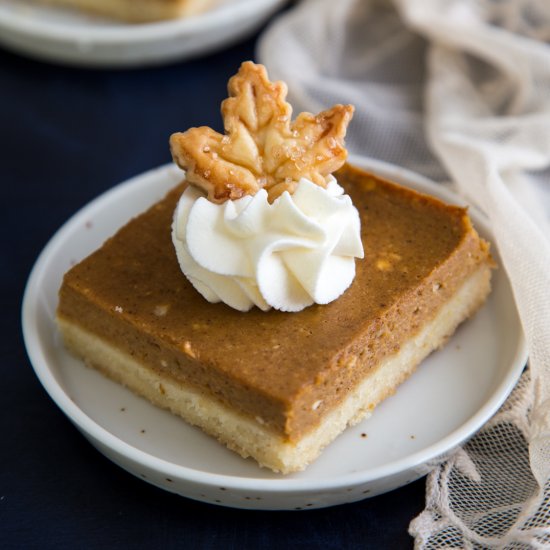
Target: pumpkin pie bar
[273,385]
[136,11]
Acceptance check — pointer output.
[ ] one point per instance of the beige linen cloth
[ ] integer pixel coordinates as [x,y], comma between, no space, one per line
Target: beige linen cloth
[456,90]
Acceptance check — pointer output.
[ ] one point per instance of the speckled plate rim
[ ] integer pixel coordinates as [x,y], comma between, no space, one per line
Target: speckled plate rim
[212,480]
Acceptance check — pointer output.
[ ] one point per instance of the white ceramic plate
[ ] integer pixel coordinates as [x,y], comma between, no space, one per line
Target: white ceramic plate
[66,36]
[450,396]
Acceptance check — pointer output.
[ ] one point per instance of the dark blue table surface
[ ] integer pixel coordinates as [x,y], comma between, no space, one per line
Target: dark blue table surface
[66,135]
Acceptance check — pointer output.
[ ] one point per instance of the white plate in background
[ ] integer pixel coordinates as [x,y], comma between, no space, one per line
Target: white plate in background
[71,37]
[452,394]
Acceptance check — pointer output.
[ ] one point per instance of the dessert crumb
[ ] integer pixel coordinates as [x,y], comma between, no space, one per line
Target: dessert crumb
[188,349]
[161,310]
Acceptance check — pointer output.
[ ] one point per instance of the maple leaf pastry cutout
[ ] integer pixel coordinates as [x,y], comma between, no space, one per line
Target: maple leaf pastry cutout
[262,147]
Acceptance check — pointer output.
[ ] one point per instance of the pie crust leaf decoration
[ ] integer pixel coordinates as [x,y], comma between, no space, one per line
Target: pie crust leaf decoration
[262,147]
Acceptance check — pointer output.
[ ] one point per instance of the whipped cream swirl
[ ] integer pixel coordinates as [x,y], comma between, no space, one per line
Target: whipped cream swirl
[287,255]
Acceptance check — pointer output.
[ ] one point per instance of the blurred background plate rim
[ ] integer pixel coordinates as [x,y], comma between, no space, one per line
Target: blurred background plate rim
[99,42]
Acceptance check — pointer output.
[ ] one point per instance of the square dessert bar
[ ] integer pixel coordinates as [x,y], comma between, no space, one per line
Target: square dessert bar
[271,385]
[136,11]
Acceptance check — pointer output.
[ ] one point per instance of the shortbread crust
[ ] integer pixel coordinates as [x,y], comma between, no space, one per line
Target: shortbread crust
[279,386]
